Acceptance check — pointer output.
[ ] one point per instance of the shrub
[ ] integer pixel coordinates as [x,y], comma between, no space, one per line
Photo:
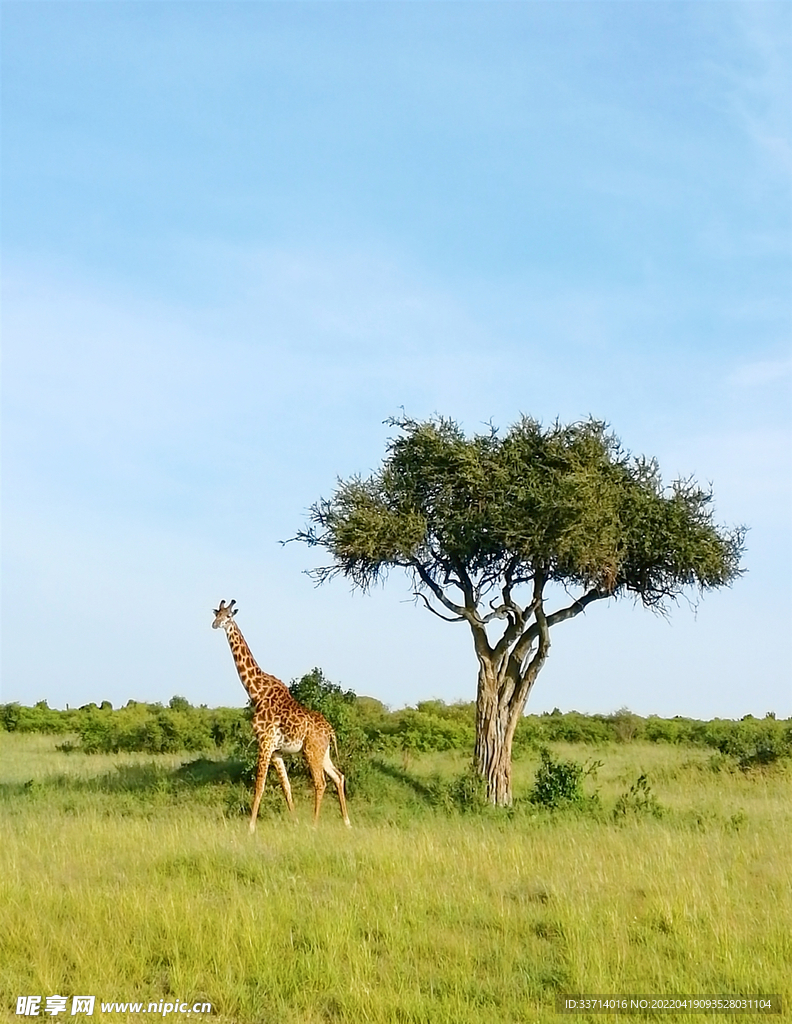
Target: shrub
[421,730]
[527,735]
[625,726]
[638,800]
[574,728]
[154,729]
[316,692]
[40,718]
[662,730]
[466,792]
[752,742]
[560,783]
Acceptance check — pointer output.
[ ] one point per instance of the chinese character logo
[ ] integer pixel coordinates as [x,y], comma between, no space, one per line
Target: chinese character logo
[83,1004]
[28,1006]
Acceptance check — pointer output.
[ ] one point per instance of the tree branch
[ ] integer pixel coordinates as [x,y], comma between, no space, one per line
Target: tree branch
[595,594]
[578,606]
[434,611]
[467,589]
[437,590]
[524,642]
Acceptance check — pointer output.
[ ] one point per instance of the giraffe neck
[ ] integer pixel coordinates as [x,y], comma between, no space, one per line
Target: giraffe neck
[243,659]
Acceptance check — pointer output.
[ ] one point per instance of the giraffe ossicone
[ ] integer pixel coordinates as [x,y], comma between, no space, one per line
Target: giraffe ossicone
[281,724]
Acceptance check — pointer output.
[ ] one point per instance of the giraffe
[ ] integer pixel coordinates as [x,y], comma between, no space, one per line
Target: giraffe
[281,725]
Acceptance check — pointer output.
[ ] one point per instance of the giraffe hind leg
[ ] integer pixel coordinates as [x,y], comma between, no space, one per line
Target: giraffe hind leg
[338,779]
[317,774]
[280,768]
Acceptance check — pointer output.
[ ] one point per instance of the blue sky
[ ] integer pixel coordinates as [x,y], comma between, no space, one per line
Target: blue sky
[238,236]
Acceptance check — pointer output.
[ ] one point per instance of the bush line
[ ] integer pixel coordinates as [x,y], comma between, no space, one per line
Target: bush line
[365,726]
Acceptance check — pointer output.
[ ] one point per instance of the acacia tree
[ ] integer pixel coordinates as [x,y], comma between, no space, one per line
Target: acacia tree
[486,526]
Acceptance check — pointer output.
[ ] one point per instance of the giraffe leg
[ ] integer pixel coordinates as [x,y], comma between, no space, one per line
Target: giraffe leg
[313,754]
[280,768]
[265,753]
[338,779]
[319,787]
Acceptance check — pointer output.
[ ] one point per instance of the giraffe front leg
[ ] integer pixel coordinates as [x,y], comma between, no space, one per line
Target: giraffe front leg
[261,777]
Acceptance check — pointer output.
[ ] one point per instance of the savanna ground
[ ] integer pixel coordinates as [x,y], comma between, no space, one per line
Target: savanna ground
[133,877]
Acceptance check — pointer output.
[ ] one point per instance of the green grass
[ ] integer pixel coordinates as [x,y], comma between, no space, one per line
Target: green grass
[123,877]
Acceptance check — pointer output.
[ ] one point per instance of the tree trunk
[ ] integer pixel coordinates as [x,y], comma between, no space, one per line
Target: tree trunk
[498,710]
[506,676]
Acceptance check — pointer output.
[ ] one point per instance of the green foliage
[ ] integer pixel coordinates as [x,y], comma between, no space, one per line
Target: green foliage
[465,792]
[136,727]
[568,499]
[229,726]
[148,728]
[431,726]
[752,742]
[626,725]
[244,748]
[575,728]
[364,725]
[560,783]
[315,691]
[638,800]
[40,718]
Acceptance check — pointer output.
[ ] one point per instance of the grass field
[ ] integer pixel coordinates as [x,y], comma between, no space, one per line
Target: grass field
[132,879]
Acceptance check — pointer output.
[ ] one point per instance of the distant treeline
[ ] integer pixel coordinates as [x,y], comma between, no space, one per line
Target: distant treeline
[364,724]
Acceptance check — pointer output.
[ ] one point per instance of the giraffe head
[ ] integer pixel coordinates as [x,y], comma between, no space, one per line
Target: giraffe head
[224,615]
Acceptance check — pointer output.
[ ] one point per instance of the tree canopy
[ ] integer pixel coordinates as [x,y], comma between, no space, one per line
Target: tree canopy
[477,520]
[567,500]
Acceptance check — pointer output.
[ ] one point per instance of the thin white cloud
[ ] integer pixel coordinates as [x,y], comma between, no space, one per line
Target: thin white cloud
[761,92]
[762,372]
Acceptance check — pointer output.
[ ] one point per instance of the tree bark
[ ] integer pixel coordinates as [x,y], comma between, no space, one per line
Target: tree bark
[506,676]
[496,721]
